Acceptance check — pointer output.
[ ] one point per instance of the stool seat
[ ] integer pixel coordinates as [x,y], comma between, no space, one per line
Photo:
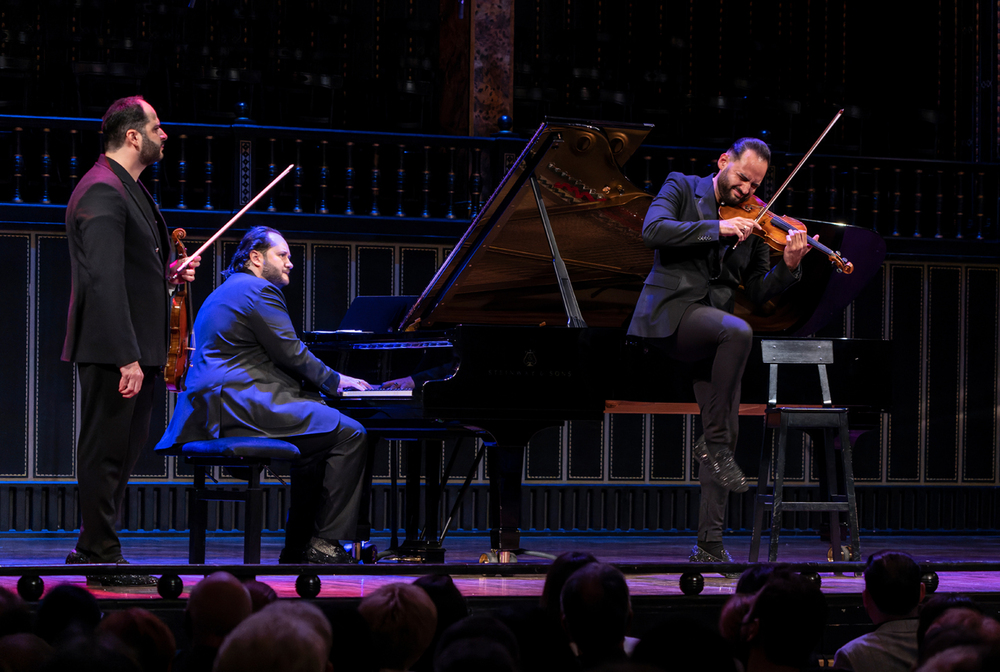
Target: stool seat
[247,453]
[241,446]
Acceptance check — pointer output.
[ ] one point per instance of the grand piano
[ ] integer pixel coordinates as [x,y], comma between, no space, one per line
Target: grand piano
[523,326]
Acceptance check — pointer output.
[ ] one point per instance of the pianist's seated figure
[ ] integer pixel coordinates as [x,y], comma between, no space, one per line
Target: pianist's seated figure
[244,380]
[685,308]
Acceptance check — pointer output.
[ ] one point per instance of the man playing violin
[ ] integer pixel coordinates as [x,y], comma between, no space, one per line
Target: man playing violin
[117,324]
[685,308]
[245,379]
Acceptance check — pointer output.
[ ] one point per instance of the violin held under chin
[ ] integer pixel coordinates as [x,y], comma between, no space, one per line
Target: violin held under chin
[774,229]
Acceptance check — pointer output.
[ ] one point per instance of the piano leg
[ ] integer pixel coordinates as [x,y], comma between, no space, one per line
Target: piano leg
[432,492]
[505,463]
[412,490]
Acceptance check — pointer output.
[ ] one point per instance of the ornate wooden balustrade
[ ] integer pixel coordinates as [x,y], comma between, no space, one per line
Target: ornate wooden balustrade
[344,182]
[429,186]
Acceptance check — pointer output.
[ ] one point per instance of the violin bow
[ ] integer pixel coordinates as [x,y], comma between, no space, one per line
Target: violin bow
[215,236]
[805,158]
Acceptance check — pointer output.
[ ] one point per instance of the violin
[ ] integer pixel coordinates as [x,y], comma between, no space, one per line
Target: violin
[180,326]
[774,229]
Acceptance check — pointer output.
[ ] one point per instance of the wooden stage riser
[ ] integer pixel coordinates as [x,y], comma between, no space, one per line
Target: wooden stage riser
[576,509]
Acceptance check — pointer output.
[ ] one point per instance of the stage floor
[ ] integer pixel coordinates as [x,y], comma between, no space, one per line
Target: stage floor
[35,550]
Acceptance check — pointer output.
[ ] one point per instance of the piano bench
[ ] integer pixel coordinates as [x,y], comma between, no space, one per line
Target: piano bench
[245,457]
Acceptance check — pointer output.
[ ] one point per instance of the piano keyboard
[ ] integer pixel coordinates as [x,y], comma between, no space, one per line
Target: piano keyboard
[376,394]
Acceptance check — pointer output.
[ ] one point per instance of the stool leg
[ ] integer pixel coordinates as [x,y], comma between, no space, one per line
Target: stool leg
[832,492]
[760,498]
[852,505]
[363,531]
[779,483]
[254,518]
[197,519]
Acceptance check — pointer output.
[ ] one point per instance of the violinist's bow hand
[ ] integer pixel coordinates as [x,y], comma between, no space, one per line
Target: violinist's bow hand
[186,275]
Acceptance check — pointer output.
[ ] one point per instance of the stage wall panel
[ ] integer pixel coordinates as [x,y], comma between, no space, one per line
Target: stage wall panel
[942,317]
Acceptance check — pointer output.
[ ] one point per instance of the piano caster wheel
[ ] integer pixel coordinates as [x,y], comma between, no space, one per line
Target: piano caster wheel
[845,552]
[364,552]
[498,557]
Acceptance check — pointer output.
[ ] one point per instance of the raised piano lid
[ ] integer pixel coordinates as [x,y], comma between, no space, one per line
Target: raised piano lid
[500,271]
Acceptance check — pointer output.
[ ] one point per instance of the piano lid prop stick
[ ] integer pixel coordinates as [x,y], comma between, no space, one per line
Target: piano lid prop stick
[215,236]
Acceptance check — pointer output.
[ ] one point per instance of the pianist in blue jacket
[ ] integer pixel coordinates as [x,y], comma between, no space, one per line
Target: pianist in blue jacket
[245,380]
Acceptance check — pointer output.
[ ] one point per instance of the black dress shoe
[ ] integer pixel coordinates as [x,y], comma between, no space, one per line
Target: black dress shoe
[699,554]
[110,580]
[326,552]
[721,465]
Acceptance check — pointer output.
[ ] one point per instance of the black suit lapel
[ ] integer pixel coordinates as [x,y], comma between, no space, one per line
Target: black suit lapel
[708,209]
[159,225]
[144,202]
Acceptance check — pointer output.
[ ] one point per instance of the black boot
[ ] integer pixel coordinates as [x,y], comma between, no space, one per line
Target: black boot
[721,465]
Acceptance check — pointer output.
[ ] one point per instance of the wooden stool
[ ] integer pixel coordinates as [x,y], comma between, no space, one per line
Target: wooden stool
[828,418]
[250,453]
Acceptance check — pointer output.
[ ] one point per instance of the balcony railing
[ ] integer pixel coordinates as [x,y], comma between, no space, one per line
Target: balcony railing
[380,177]
[415,185]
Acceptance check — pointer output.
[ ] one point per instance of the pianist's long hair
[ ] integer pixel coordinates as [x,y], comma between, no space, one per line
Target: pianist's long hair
[255,239]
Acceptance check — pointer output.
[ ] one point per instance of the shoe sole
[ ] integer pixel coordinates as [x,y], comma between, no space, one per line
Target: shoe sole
[314,557]
[712,559]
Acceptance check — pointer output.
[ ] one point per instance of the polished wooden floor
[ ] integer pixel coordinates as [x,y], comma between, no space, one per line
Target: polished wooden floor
[18,551]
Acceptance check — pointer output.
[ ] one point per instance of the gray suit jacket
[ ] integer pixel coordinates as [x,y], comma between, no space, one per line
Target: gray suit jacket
[692,265]
[119,251]
[245,376]
[892,647]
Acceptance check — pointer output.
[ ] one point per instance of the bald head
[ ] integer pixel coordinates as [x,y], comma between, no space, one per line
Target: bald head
[217,605]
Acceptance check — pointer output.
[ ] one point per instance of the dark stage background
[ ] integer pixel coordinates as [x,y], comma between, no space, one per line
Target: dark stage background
[383,108]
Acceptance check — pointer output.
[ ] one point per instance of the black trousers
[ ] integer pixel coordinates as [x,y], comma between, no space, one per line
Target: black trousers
[718,344]
[113,432]
[327,484]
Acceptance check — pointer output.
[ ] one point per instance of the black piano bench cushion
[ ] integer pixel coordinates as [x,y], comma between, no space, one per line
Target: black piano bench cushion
[241,446]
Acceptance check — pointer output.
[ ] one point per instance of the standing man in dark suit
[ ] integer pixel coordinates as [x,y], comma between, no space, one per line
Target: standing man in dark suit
[685,308]
[117,327]
[246,379]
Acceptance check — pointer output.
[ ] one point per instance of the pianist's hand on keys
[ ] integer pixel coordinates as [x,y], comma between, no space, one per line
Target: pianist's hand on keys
[348,383]
[398,384]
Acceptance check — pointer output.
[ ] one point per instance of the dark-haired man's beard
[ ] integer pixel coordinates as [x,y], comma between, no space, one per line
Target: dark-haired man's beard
[150,152]
[729,192]
[273,274]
